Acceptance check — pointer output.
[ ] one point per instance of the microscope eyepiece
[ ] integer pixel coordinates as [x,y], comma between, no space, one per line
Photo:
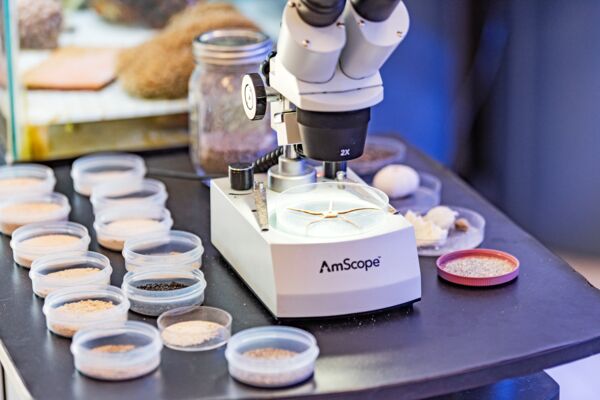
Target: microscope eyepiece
[375,10]
[320,13]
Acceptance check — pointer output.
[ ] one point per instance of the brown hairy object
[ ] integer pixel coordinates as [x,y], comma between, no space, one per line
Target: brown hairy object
[161,67]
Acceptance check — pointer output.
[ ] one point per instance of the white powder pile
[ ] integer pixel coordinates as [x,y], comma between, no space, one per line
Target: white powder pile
[191,333]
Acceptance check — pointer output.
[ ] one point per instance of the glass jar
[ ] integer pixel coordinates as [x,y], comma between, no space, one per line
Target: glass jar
[220,132]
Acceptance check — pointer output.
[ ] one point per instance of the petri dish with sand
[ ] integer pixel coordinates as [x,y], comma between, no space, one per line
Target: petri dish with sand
[57,271]
[139,193]
[28,209]
[33,241]
[173,249]
[195,328]
[25,179]
[115,225]
[117,351]
[69,309]
[92,170]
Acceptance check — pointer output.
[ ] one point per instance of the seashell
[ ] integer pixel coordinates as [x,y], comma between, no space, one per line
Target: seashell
[442,216]
[397,180]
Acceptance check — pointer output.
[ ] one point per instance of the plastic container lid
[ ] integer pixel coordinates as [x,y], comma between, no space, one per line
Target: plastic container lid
[36,208]
[195,328]
[272,356]
[32,241]
[117,351]
[379,152]
[173,249]
[115,225]
[511,264]
[428,195]
[67,322]
[129,193]
[187,289]
[57,271]
[330,209]
[16,180]
[95,169]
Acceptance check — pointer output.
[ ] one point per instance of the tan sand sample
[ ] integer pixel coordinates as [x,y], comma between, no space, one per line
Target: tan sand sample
[191,333]
[78,309]
[28,213]
[74,272]
[9,183]
[44,241]
[114,348]
[126,227]
[269,353]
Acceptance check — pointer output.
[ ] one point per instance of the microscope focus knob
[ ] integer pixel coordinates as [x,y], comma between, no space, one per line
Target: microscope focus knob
[254,96]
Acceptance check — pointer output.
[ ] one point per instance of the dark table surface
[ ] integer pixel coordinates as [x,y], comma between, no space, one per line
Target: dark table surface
[453,339]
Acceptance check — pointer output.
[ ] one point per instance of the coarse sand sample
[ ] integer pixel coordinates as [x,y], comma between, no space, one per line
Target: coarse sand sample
[74,272]
[78,309]
[479,267]
[270,353]
[114,348]
[44,241]
[191,333]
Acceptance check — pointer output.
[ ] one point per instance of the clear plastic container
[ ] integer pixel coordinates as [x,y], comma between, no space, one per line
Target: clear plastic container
[35,208]
[117,351]
[16,180]
[379,152]
[95,169]
[330,209]
[152,291]
[115,225]
[57,271]
[428,195]
[33,241]
[272,356]
[97,304]
[129,193]
[173,249]
[195,328]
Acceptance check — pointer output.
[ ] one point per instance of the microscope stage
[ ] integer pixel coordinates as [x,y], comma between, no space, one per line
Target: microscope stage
[300,272]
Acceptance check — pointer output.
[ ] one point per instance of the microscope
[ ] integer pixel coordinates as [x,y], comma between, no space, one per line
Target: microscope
[317,241]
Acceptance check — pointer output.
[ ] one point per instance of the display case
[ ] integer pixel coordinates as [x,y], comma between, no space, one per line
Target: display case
[61,88]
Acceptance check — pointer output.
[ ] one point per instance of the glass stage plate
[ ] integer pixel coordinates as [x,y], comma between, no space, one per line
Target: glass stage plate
[330,209]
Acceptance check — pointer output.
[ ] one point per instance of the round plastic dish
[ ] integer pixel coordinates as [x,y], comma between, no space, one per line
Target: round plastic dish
[16,180]
[459,240]
[32,241]
[155,302]
[190,337]
[478,281]
[267,367]
[95,169]
[64,323]
[57,271]
[28,209]
[330,209]
[428,195]
[115,225]
[379,152]
[173,249]
[124,193]
[117,351]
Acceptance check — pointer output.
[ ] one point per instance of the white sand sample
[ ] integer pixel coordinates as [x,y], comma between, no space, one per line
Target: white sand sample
[191,333]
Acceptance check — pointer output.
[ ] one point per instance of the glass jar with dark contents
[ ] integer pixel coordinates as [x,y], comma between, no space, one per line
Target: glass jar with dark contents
[220,132]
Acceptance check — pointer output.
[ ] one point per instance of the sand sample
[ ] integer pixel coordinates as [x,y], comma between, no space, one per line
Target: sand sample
[75,310]
[125,228]
[191,333]
[8,183]
[479,267]
[38,243]
[27,213]
[114,348]
[269,353]
[74,273]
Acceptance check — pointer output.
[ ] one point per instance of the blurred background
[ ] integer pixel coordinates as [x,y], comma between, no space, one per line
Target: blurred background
[504,92]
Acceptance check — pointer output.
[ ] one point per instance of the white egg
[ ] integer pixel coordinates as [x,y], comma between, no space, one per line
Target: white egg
[442,216]
[397,180]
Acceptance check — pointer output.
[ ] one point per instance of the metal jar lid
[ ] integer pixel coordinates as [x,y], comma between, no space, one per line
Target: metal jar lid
[231,47]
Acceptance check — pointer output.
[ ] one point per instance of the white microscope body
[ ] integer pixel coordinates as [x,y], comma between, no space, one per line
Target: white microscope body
[321,84]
